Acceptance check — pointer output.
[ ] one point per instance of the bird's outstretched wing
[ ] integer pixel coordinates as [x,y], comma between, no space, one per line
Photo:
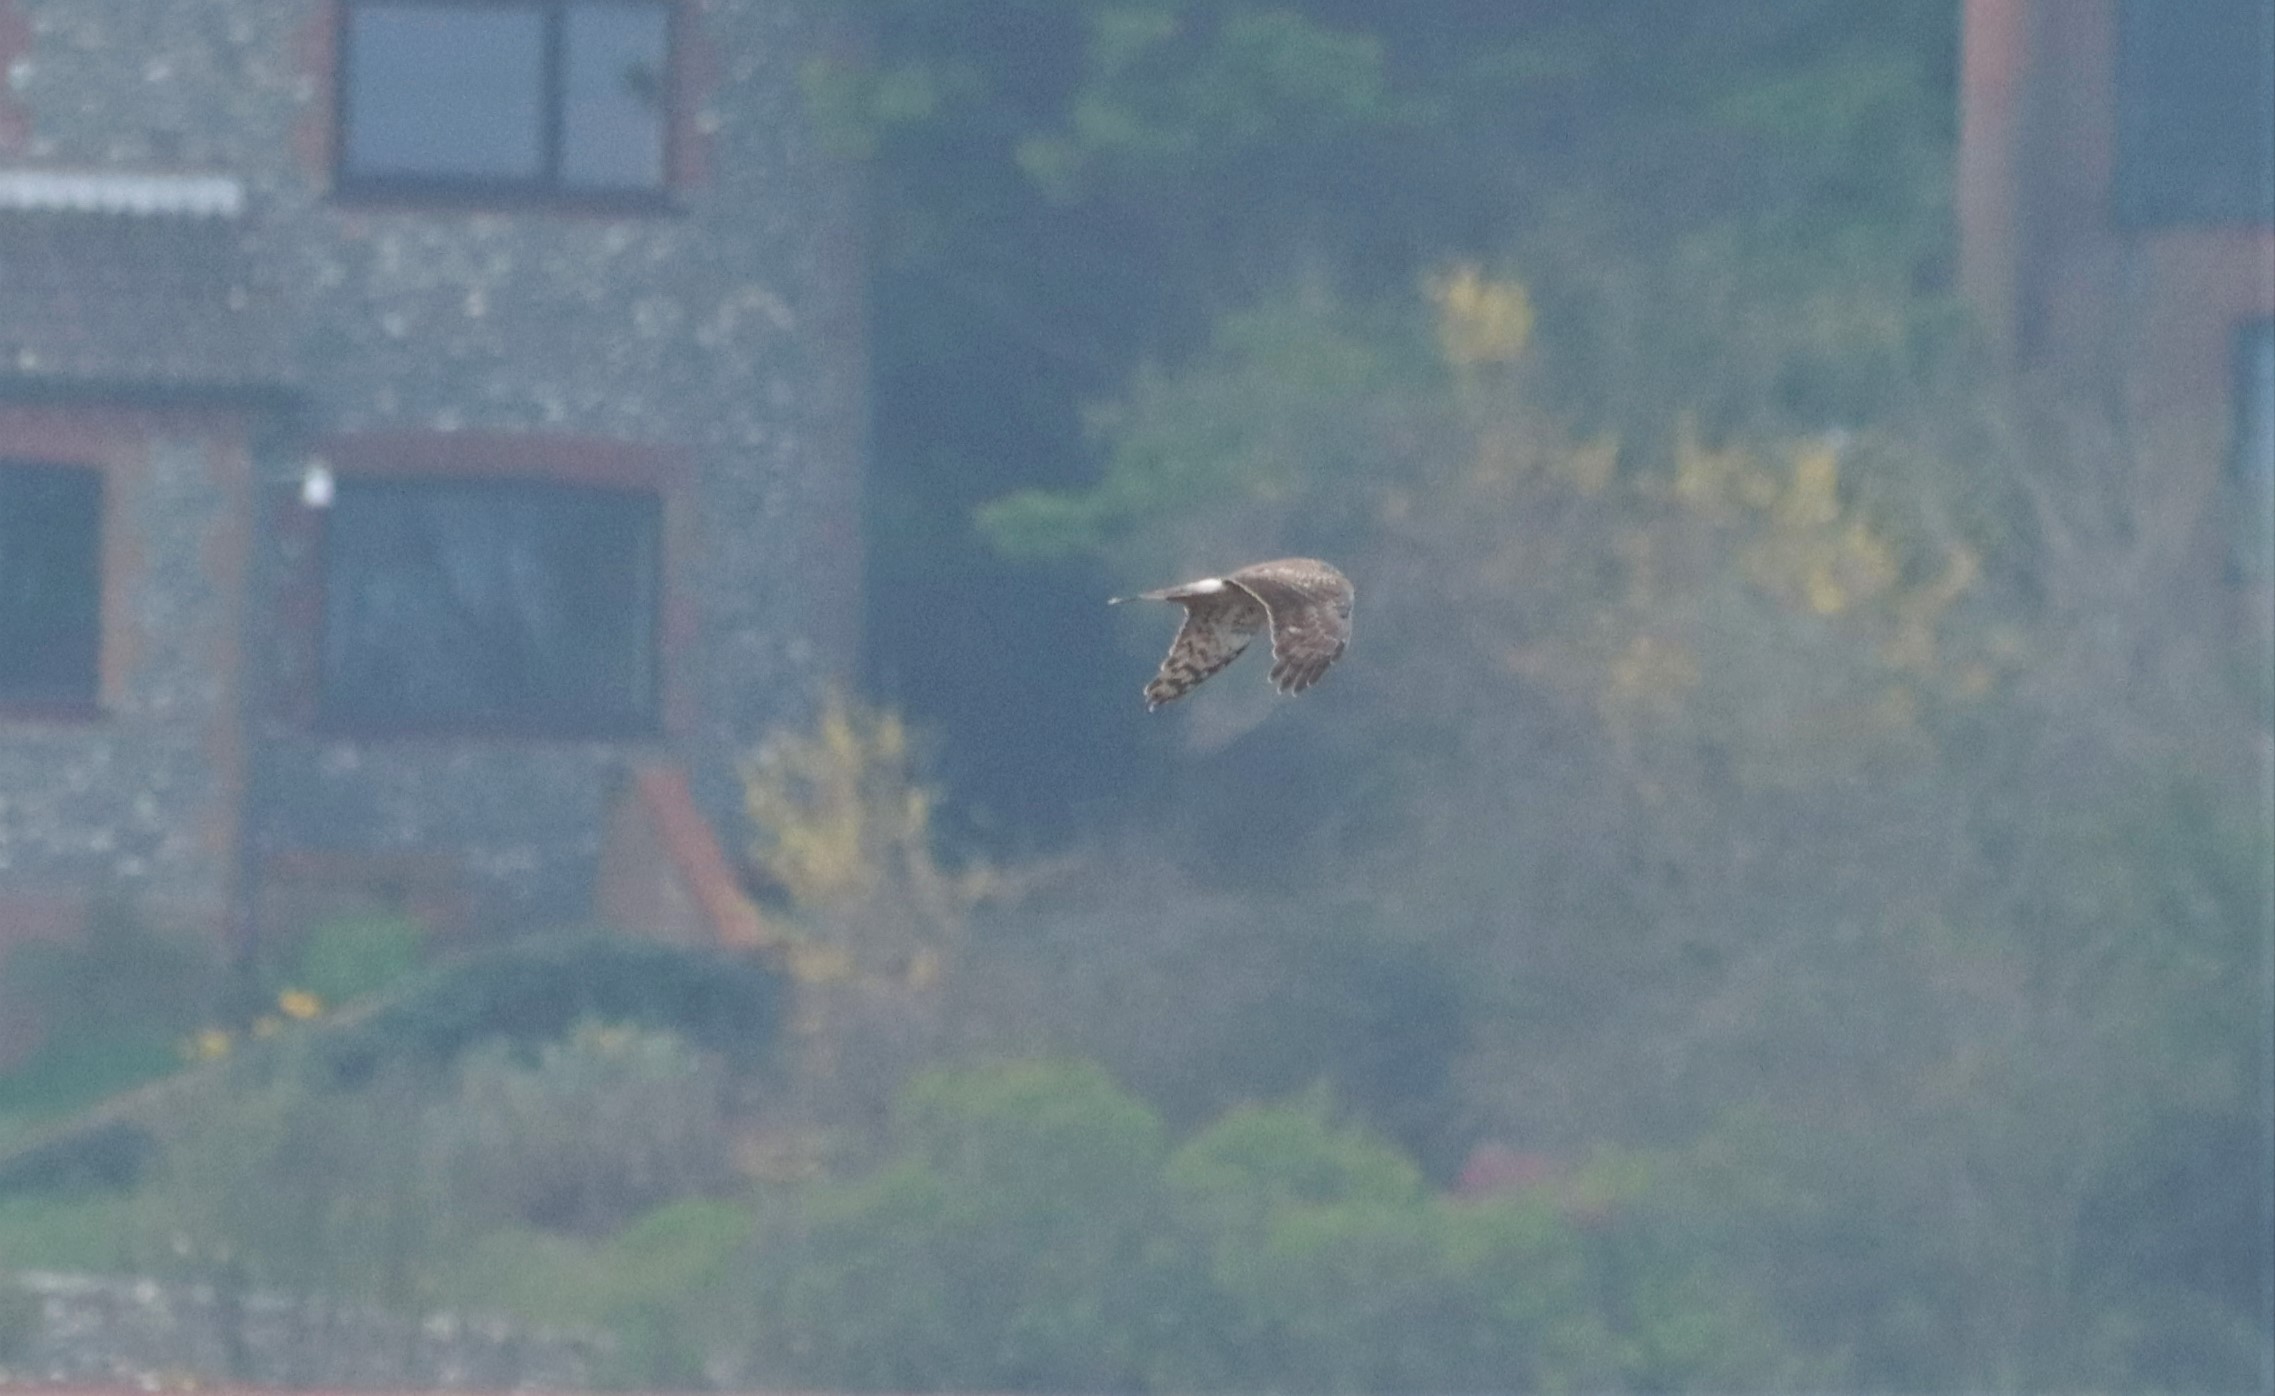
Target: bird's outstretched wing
[1308,605]
[1218,626]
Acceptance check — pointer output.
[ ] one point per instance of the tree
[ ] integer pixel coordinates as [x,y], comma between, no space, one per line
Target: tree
[1793,742]
[1070,192]
[1775,795]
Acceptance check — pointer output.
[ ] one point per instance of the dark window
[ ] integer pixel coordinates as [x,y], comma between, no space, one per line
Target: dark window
[455,605]
[2255,452]
[51,520]
[2196,111]
[535,97]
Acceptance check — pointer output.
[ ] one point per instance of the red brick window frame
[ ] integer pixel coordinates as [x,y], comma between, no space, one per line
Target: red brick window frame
[463,584]
[504,102]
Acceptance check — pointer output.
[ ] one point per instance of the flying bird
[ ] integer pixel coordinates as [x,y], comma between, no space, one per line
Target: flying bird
[1304,602]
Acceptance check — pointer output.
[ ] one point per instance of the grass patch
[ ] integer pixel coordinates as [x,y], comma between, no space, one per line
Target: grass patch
[45,1231]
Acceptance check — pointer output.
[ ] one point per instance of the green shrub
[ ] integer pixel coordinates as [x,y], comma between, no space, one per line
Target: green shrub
[596,1128]
[114,1003]
[348,957]
[1335,1269]
[19,1322]
[80,1232]
[656,1286]
[1033,1230]
[106,1154]
[1200,1001]
[538,989]
[77,1067]
[1008,1243]
[383,1192]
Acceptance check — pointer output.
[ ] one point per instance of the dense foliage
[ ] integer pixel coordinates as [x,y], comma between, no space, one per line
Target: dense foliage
[1805,754]
[1775,897]
[1071,193]
[1035,1228]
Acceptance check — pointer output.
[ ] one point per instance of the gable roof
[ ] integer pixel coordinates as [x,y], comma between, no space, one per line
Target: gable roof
[136,286]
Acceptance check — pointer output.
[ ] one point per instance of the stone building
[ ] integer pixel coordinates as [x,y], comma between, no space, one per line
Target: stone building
[2116,207]
[430,448]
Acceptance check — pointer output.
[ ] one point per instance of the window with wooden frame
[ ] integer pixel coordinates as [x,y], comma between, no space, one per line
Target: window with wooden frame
[51,583]
[456,605]
[505,99]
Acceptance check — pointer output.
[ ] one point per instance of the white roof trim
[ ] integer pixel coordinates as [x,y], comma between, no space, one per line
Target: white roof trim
[93,191]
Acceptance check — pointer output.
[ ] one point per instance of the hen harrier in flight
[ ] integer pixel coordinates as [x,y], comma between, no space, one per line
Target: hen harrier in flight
[1305,602]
